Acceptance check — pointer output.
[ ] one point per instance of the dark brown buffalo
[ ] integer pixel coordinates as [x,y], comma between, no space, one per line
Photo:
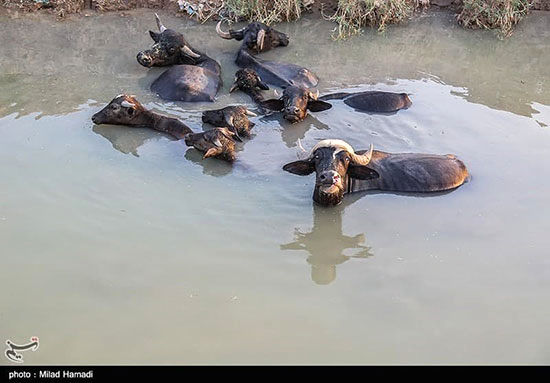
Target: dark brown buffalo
[248,81]
[126,110]
[235,118]
[218,142]
[295,102]
[258,37]
[340,170]
[194,76]
[255,36]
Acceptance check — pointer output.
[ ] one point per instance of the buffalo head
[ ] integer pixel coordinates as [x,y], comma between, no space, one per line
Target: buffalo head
[234,117]
[170,48]
[255,36]
[295,102]
[218,142]
[334,162]
[248,81]
[122,110]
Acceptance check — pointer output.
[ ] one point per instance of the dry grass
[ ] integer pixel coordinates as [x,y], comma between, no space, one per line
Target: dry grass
[266,11]
[352,15]
[493,14]
[60,7]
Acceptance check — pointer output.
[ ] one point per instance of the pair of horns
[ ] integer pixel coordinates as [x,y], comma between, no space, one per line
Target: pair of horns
[313,96]
[357,159]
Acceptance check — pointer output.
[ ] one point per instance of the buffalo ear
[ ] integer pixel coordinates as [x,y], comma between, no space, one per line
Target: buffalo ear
[273,104]
[301,167]
[361,172]
[318,105]
[155,36]
[236,137]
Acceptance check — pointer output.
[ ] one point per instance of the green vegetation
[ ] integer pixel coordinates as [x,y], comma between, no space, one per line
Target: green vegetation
[493,14]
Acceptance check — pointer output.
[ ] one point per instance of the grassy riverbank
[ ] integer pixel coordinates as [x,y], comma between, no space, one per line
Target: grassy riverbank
[349,15]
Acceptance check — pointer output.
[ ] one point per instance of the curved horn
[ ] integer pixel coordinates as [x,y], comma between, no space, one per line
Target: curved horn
[162,28]
[221,33]
[303,154]
[251,114]
[189,52]
[260,37]
[314,96]
[235,86]
[362,159]
[300,146]
[127,104]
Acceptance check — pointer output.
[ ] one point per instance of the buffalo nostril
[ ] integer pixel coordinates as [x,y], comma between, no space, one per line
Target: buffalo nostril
[323,177]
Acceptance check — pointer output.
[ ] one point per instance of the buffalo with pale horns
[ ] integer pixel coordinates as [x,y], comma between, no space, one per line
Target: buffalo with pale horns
[193,77]
[341,170]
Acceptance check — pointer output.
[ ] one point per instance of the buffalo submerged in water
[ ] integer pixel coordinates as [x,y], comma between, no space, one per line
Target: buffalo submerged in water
[372,101]
[294,103]
[340,170]
[258,37]
[194,77]
[219,142]
[127,110]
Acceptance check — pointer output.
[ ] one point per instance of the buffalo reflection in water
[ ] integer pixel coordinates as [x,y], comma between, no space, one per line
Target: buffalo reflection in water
[326,244]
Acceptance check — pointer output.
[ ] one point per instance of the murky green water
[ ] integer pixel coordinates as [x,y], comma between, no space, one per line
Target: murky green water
[120,246]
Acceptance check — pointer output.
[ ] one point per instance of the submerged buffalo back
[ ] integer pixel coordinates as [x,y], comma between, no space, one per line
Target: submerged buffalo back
[187,83]
[380,102]
[277,73]
[412,172]
[372,101]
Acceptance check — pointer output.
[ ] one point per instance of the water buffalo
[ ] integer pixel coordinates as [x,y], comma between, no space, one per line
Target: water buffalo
[218,142]
[260,38]
[126,110]
[233,117]
[295,102]
[194,76]
[372,101]
[340,170]
[248,81]
[255,36]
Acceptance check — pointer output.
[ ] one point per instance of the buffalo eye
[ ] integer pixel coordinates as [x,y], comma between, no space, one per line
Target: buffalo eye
[171,50]
[130,111]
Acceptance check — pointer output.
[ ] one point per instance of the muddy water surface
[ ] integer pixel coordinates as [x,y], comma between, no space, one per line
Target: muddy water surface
[121,246]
